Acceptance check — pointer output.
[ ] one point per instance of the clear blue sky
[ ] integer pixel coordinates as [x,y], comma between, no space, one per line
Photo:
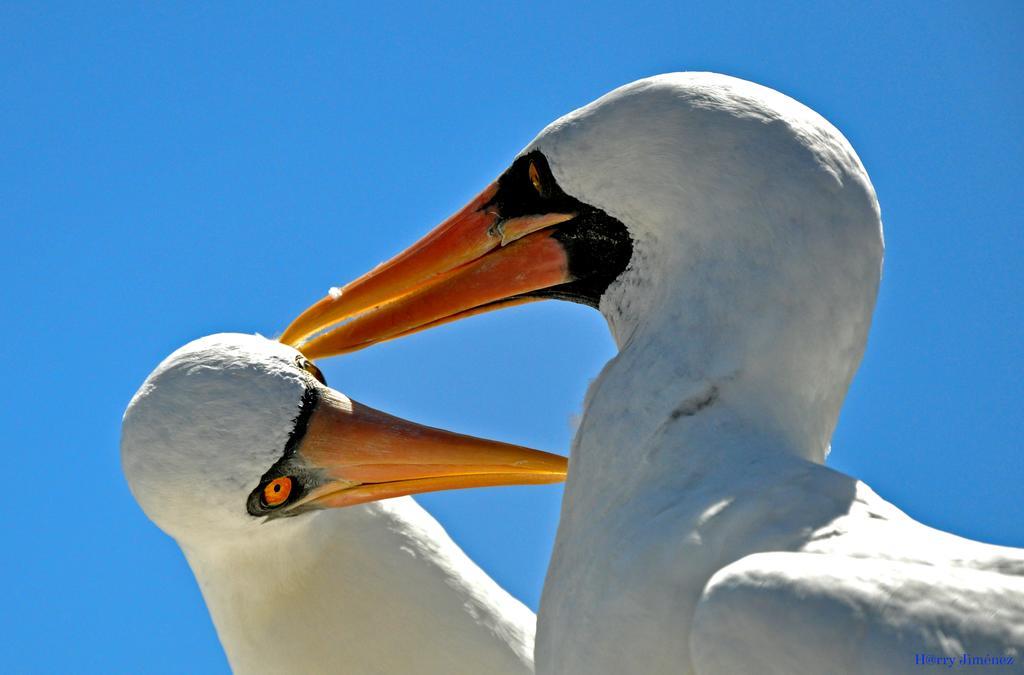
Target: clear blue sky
[170,171]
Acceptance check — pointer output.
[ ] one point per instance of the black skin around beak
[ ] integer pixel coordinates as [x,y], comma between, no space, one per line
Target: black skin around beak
[522,239]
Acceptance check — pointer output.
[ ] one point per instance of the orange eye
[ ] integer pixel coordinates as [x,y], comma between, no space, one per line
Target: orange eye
[535,179]
[276,491]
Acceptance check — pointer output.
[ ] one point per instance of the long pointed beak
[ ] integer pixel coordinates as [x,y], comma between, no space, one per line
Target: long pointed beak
[351,454]
[474,262]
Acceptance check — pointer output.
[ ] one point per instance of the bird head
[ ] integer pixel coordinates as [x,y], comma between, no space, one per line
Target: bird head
[232,431]
[725,226]
[704,181]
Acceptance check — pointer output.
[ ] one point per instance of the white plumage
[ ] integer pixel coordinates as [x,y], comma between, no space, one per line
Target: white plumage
[373,588]
[700,532]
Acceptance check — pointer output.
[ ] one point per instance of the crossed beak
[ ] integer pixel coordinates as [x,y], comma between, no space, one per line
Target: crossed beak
[474,262]
[348,453]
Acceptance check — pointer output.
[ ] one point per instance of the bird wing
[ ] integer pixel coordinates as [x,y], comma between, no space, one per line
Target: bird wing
[815,613]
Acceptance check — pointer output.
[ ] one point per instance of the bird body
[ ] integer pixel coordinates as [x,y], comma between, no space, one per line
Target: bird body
[740,322]
[373,588]
[732,239]
[225,424]
[689,559]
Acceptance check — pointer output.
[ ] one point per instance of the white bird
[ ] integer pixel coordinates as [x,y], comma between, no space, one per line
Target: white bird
[732,239]
[234,444]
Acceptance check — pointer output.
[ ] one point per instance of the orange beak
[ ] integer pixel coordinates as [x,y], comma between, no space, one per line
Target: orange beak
[350,454]
[474,262]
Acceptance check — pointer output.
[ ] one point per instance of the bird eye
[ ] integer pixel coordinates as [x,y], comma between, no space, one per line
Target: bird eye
[277,491]
[309,367]
[535,179]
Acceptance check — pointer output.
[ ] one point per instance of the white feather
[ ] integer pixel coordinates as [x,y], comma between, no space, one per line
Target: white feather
[376,588]
[699,531]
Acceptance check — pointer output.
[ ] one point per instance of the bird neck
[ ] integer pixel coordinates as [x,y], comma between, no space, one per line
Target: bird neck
[374,588]
[718,357]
